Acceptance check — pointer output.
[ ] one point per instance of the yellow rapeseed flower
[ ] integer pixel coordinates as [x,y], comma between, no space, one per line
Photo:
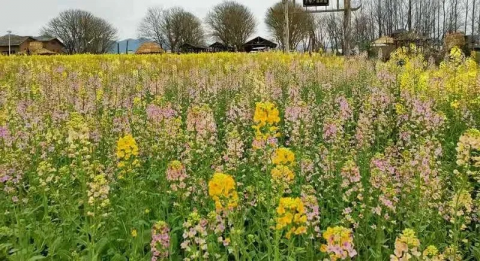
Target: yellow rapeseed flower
[283,156]
[126,148]
[282,174]
[221,189]
[266,113]
[291,215]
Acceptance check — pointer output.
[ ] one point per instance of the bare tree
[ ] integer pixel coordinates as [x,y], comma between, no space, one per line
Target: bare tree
[172,27]
[81,32]
[231,23]
[151,26]
[300,23]
[181,27]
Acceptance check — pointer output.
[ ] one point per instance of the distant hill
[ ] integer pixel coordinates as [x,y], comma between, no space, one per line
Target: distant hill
[133,45]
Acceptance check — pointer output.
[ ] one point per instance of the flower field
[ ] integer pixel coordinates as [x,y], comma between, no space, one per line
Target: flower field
[239,157]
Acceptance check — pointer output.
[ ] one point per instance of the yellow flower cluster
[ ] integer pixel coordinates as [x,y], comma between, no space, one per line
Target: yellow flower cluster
[468,149]
[460,206]
[291,215]
[431,253]
[406,246]
[266,118]
[126,148]
[221,189]
[283,156]
[339,243]
[266,113]
[282,174]
[98,192]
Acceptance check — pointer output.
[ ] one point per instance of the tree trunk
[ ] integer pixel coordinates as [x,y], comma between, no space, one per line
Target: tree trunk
[409,21]
[466,17]
[473,15]
[286,39]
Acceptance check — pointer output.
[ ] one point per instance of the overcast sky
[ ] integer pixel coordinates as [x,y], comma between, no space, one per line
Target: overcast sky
[27,17]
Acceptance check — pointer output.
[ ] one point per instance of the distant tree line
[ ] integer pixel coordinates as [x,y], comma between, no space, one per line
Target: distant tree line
[430,18]
[233,24]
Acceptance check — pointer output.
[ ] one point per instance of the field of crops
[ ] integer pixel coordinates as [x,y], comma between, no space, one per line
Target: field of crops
[239,157]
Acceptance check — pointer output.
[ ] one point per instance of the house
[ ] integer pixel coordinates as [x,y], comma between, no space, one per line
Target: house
[190,48]
[259,44]
[404,38]
[51,44]
[18,44]
[30,45]
[149,48]
[383,47]
[219,47]
[473,42]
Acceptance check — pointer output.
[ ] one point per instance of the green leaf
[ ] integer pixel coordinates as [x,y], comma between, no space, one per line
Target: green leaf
[118,257]
[36,258]
[100,245]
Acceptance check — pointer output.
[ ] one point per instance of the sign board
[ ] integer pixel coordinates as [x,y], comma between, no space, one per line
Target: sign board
[315,2]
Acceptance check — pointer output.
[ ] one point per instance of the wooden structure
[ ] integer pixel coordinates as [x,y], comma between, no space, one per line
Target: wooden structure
[149,48]
[219,47]
[383,47]
[18,44]
[51,44]
[473,42]
[454,39]
[37,48]
[259,44]
[404,38]
[190,48]
[31,45]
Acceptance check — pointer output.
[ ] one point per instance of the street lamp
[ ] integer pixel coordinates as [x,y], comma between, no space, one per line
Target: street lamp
[9,46]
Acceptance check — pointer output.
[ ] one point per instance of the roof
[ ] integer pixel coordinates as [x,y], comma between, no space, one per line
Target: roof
[217,44]
[259,41]
[149,48]
[48,39]
[15,40]
[382,41]
[44,38]
[404,35]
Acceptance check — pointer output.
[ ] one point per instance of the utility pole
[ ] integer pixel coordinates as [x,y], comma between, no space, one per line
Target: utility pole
[286,36]
[9,43]
[347,27]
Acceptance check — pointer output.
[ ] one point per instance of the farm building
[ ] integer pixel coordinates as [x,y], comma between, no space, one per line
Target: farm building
[18,44]
[31,45]
[149,48]
[219,47]
[473,42]
[259,44]
[190,48]
[383,47]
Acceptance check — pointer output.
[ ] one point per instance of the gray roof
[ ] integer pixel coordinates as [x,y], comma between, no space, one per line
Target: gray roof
[15,40]
[44,38]
[47,39]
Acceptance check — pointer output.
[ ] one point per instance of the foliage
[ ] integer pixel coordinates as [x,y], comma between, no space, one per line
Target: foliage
[121,157]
